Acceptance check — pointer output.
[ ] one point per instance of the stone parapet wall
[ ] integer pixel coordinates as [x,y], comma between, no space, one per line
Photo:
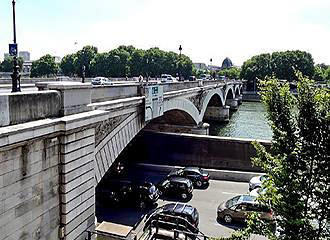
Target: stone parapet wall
[21,107]
[29,182]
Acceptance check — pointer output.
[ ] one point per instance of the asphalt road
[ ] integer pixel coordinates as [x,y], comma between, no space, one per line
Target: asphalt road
[28,89]
[205,200]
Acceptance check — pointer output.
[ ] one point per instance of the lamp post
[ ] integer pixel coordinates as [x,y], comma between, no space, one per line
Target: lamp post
[180,49]
[83,74]
[15,77]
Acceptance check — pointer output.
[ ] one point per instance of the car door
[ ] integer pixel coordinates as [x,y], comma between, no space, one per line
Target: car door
[191,175]
[240,212]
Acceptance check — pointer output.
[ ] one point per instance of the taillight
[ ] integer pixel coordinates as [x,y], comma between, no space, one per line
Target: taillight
[270,214]
[205,177]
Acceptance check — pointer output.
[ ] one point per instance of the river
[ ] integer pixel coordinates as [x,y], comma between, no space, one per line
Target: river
[248,122]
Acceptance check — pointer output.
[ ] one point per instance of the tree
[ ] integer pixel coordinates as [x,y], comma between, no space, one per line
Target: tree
[298,189]
[258,67]
[83,59]
[286,64]
[67,64]
[8,64]
[232,73]
[45,66]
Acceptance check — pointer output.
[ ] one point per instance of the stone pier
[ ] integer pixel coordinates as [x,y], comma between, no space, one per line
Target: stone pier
[232,103]
[220,114]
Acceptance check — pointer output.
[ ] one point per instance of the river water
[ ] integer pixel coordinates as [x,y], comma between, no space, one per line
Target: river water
[249,121]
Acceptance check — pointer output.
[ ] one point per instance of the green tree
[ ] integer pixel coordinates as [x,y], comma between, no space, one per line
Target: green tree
[100,65]
[285,64]
[45,66]
[232,73]
[83,58]
[119,62]
[67,64]
[8,64]
[298,189]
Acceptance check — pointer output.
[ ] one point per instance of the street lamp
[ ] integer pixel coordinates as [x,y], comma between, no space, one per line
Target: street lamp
[16,85]
[180,49]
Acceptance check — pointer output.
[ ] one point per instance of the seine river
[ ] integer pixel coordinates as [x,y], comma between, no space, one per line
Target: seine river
[248,122]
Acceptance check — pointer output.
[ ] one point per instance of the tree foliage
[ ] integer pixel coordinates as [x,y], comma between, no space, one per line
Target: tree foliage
[231,73]
[45,66]
[298,189]
[126,61]
[7,64]
[282,65]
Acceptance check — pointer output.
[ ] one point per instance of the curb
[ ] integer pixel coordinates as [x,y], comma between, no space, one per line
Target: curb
[215,174]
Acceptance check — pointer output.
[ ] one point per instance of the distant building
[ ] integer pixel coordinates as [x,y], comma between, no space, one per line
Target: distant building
[200,66]
[57,59]
[227,63]
[213,68]
[25,55]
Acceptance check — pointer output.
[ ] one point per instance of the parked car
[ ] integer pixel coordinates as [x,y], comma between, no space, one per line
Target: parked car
[255,182]
[63,78]
[198,176]
[176,187]
[101,81]
[237,209]
[120,191]
[192,78]
[178,216]
[168,78]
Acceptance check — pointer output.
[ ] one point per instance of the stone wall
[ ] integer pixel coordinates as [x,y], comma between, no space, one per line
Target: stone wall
[29,196]
[193,150]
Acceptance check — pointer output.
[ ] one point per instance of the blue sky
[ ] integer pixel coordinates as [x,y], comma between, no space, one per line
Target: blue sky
[206,29]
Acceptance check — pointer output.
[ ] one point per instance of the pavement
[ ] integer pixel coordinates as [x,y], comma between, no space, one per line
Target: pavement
[205,200]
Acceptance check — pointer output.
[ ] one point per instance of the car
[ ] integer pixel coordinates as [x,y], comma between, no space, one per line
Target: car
[63,78]
[101,81]
[121,191]
[178,216]
[237,209]
[255,182]
[257,191]
[176,187]
[197,175]
[192,78]
[168,78]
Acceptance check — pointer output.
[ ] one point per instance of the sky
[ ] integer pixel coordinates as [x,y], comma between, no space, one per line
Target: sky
[238,29]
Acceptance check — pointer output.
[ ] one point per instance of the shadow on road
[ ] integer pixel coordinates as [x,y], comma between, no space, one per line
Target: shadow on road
[233,225]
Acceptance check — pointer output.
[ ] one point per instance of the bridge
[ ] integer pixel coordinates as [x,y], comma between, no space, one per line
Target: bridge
[57,143]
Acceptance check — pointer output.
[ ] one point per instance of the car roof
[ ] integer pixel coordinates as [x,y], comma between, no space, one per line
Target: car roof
[193,169]
[247,199]
[178,179]
[179,208]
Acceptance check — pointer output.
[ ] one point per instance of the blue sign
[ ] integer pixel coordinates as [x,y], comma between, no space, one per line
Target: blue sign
[13,49]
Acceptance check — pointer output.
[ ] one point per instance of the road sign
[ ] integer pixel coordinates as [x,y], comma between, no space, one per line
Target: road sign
[154,106]
[13,49]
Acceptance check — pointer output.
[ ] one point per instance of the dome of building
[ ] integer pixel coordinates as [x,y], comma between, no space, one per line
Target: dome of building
[227,63]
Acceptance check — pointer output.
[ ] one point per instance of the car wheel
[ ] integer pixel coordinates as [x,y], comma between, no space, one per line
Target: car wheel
[184,196]
[228,218]
[199,183]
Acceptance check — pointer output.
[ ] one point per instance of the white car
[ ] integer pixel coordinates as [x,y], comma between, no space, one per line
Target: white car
[168,78]
[255,182]
[101,81]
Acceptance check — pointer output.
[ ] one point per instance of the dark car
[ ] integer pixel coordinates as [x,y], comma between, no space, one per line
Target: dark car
[176,187]
[127,192]
[237,209]
[198,176]
[178,216]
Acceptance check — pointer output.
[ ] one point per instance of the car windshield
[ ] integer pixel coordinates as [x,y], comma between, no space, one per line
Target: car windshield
[189,183]
[232,202]
[263,177]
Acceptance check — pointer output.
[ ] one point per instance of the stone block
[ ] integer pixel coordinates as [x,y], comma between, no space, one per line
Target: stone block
[82,218]
[68,207]
[65,178]
[78,135]
[72,165]
[40,104]
[84,177]
[65,198]
[66,218]
[72,146]
[77,154]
